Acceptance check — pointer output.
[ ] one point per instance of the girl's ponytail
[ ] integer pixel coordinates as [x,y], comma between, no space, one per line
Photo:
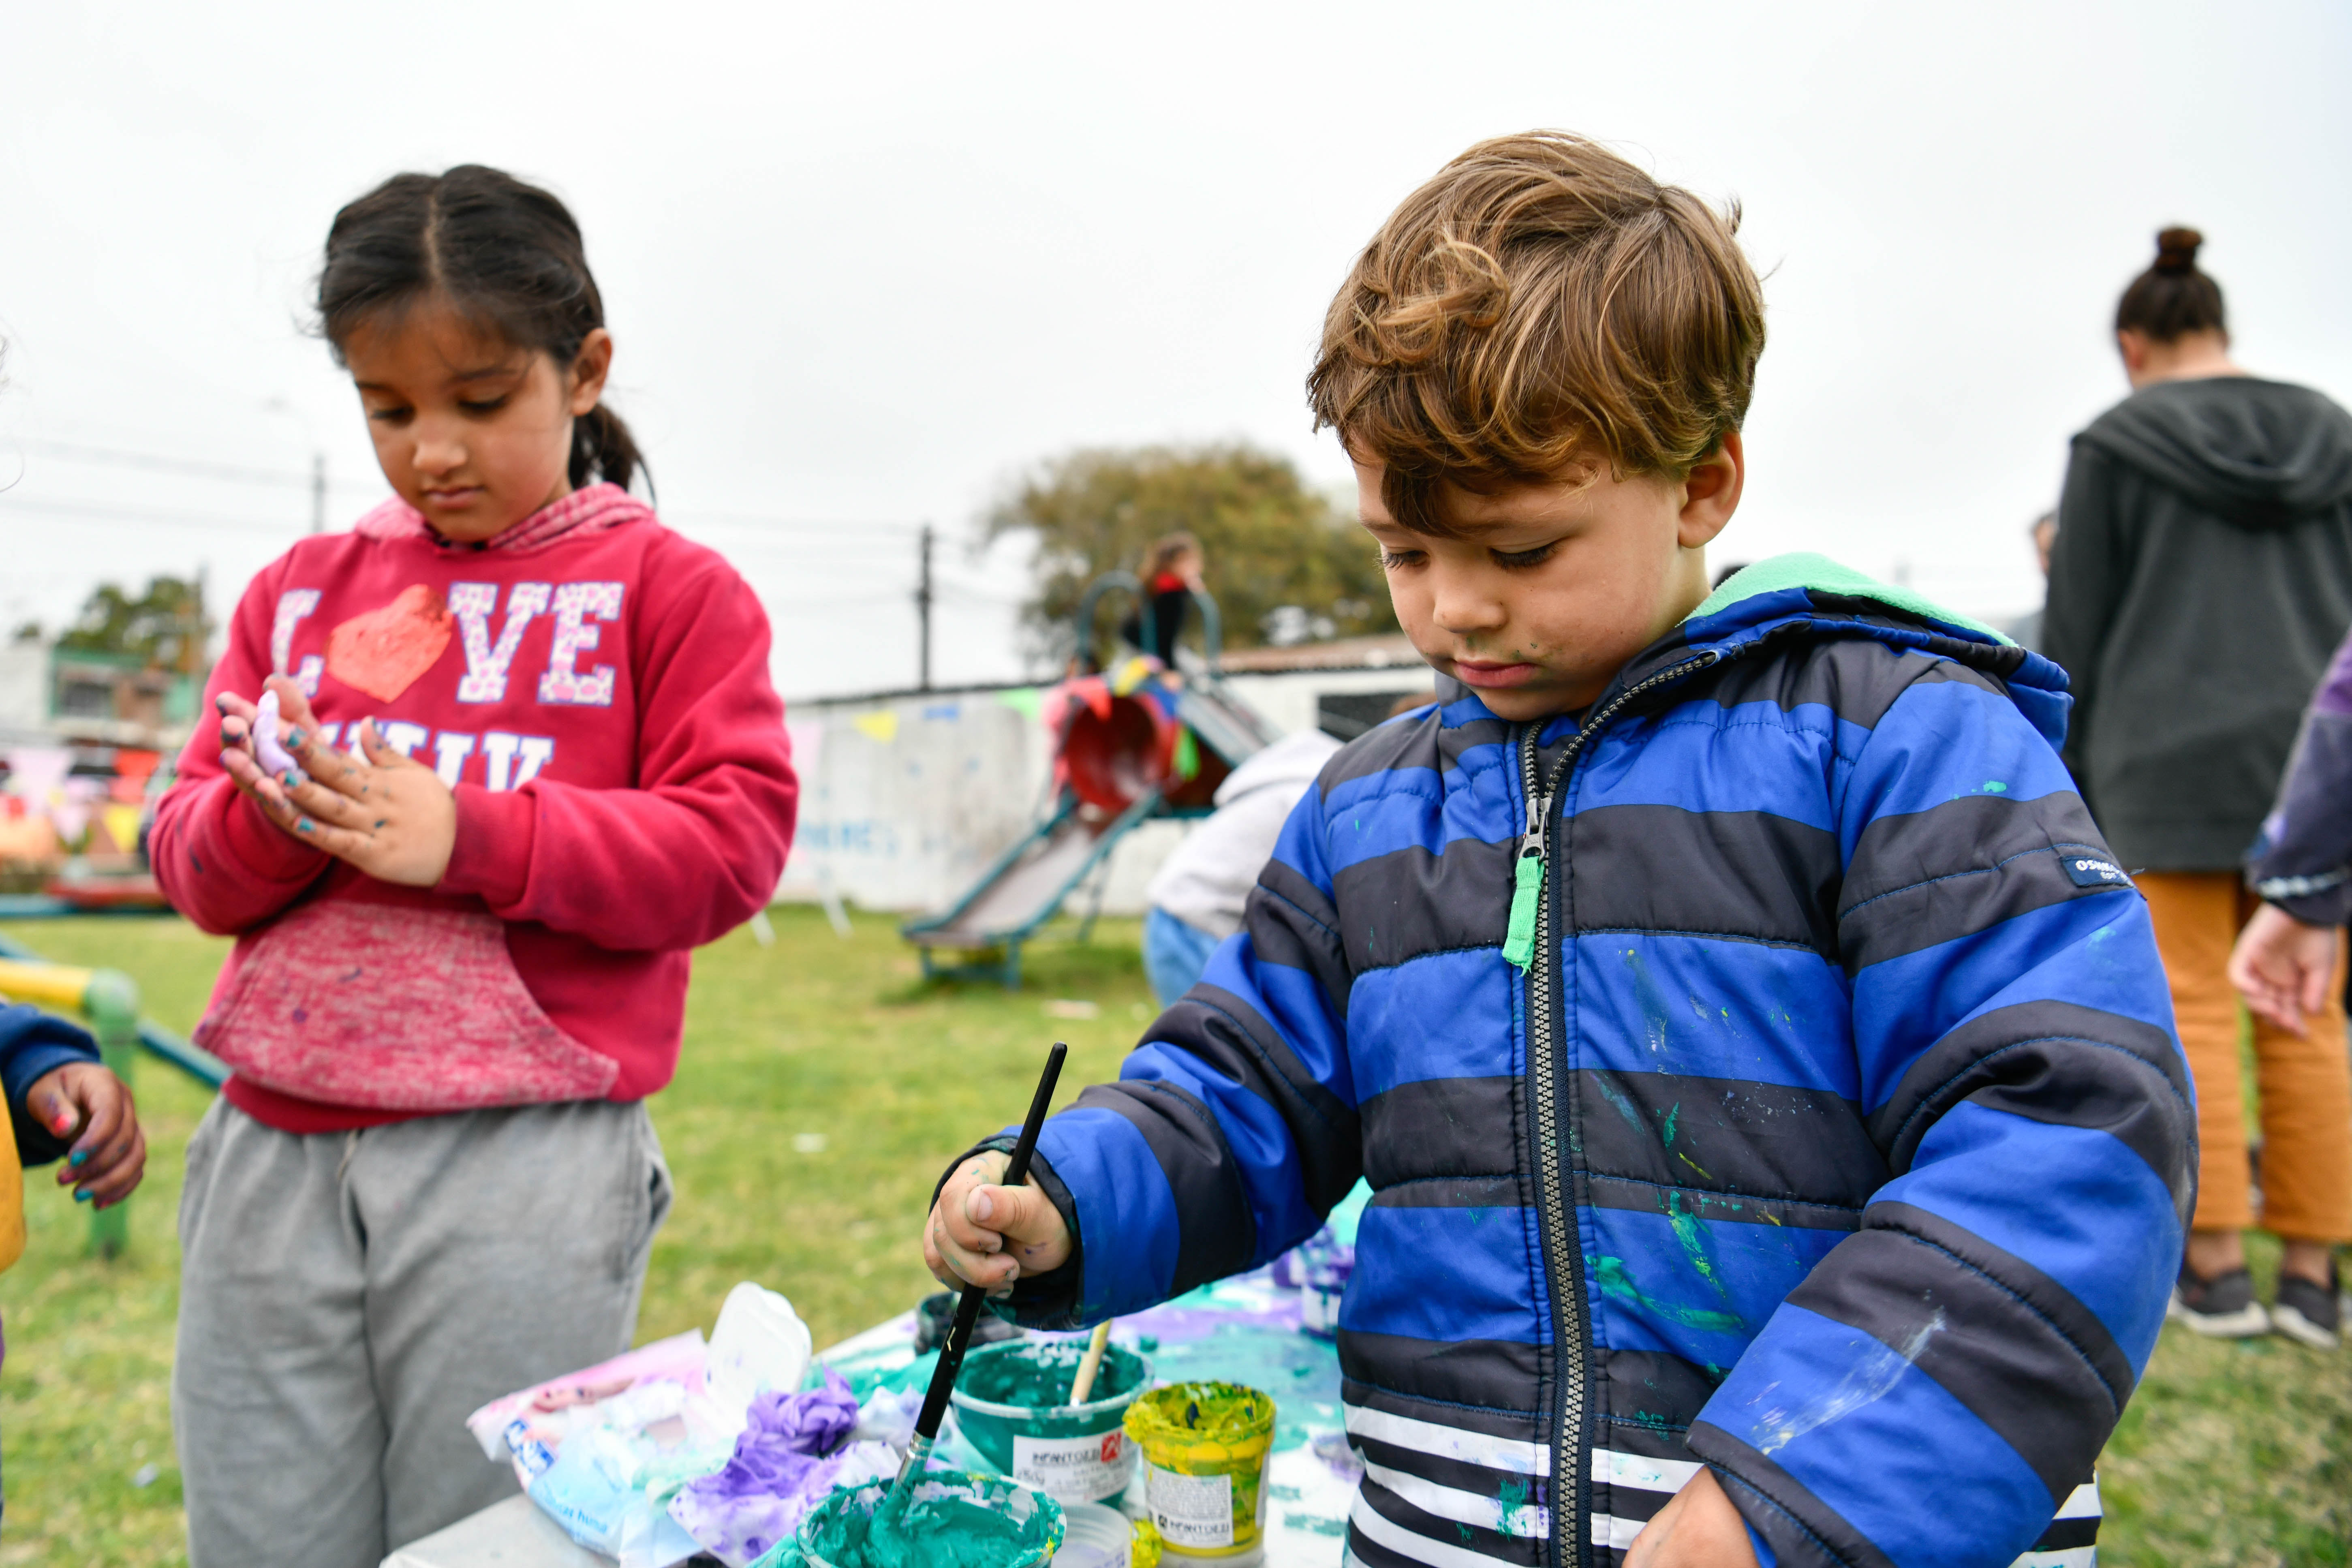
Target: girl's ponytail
[507,254]
[603,448]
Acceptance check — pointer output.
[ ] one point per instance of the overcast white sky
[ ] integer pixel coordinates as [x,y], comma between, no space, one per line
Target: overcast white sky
[865,264]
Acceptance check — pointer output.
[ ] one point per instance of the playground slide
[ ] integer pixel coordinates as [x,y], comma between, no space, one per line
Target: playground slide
[1022,890]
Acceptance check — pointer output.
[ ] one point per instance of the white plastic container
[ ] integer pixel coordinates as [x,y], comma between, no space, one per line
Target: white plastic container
[1097,1537]
[759,1343]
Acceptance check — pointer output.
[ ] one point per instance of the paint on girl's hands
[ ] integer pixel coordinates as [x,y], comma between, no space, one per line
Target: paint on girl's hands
[274,758]
[78,1157]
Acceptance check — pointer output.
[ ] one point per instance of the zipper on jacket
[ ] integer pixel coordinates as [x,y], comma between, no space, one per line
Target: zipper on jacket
[1563,1257]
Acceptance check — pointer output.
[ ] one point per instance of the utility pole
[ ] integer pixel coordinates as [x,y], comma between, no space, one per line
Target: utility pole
[923,614]
[317,492]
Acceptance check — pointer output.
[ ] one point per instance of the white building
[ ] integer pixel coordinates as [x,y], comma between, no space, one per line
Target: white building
[907,796]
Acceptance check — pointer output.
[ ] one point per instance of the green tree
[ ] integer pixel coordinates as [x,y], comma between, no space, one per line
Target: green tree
[166,626]
[1268,542]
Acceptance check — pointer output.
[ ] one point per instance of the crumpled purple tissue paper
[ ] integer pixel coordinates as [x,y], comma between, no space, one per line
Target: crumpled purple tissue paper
[790,1456]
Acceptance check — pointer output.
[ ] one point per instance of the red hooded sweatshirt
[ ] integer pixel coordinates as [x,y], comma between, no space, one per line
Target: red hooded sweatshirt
[596,690]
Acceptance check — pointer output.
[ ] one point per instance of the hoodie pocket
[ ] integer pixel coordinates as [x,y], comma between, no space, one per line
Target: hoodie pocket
[388,1007]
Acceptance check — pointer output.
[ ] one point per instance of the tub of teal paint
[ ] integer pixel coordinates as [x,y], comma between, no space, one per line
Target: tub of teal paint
[961,1519]
[1009,1410]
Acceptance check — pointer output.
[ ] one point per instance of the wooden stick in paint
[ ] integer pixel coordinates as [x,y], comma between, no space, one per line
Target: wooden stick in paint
[1090,1363]
[958,1340]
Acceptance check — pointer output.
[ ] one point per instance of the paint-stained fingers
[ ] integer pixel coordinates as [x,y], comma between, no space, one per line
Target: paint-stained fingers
[991,1270]
[953,1210]
[314,797]
[1024,1222]
[340,842]
[379,752]
[930,1251]
[107,1120]
[121,1174]
[933,1259]
[229,705]
[238,762]
[294,711]
[48,1103]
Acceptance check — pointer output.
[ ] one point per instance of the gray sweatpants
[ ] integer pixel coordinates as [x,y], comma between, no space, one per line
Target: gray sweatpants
[348,1298]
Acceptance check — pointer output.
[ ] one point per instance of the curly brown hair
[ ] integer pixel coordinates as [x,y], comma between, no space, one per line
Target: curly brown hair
[1540,305]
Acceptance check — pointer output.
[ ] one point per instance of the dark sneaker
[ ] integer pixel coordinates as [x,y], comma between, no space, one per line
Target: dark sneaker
[2222,1308]
[2307,1312]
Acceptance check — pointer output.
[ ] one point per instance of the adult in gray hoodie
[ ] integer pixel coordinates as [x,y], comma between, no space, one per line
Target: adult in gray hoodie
[2201,578]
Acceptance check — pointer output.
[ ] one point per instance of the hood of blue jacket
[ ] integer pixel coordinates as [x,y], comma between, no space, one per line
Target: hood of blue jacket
[1806,595]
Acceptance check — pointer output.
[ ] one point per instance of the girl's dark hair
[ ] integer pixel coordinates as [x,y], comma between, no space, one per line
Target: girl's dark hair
[2173,297]
[507,254]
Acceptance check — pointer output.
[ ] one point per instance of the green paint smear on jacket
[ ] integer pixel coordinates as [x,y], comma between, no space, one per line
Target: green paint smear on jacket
[1610,1273]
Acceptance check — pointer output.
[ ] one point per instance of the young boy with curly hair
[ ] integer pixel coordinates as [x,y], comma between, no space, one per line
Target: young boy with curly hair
[1779,1143]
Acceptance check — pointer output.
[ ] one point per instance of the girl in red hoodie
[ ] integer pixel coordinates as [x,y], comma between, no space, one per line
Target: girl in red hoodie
[526,756]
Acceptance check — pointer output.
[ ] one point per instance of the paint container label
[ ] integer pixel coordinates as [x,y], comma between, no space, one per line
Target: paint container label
[1073,1469]
[1191,1510]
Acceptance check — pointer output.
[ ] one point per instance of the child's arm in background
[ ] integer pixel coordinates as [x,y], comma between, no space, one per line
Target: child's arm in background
[217,856]
[698,846]
[1946,1377]
[1232,1131]
[2302,864]
[63,1103]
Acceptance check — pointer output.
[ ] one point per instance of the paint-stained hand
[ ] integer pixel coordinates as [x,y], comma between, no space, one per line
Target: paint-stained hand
[1699,1528]
[84,1103]
[240,755]
[385,812]
[2284,967]
[983,1234]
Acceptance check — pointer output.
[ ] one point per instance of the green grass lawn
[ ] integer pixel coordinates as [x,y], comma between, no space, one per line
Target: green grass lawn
[2230,1455]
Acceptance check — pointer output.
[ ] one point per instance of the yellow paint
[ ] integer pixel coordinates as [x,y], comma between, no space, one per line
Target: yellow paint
[1212,1432]
[882,725]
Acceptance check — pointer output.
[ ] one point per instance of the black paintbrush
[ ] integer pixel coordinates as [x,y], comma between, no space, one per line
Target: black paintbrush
[943,1376]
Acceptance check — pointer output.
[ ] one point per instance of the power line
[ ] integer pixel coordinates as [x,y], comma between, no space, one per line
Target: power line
[141,514]
[156,462]
[838,602]
[805,525]
[981,595]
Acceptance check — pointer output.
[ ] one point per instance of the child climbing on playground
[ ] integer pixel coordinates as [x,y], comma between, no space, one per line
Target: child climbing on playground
[529,756]
[1779,1143]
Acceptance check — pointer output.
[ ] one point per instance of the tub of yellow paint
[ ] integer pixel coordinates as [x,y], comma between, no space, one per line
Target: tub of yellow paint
[1206,1447]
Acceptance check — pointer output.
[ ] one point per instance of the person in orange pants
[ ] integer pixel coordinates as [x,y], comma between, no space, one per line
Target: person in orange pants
[2201,572]
[2304,1087]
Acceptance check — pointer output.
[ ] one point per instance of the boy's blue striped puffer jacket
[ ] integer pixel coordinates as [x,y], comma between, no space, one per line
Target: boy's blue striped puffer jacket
[1837,1137]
